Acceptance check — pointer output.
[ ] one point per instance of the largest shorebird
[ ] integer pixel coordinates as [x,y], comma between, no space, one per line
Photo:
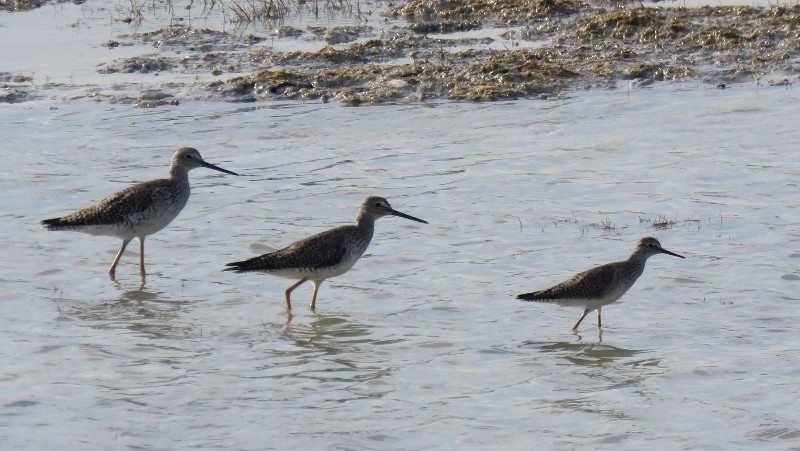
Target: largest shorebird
[324,255]
[601,285]
[139,210]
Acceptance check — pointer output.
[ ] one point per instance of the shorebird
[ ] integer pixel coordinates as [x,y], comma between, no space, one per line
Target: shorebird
[327,254]
[139,210]
[601,285]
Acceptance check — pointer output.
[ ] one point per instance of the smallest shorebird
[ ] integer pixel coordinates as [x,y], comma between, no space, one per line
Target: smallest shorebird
[139,210]
[327,254]
[601,285]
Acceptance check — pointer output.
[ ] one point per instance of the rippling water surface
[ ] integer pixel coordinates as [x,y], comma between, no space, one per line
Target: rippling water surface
[423,344]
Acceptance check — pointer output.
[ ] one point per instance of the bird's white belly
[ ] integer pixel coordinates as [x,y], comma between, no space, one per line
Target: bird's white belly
[133,225]
[149,223]
[315,273]
[611,297]
[593,303]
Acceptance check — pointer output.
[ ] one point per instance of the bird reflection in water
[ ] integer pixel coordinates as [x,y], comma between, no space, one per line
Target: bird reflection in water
[583,353]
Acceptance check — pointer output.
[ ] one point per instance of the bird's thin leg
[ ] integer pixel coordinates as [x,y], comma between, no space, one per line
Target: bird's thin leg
[585,312]
[314,297]
[141,255]
[289,292]
[113,267]
[599,321]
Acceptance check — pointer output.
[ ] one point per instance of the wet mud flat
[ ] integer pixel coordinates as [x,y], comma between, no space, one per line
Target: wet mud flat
[478,50]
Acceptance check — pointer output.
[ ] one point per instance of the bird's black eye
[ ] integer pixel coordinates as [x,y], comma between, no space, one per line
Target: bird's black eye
[378,204]
[188,156]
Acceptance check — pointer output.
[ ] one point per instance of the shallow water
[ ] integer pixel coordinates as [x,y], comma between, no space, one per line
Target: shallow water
[422,344]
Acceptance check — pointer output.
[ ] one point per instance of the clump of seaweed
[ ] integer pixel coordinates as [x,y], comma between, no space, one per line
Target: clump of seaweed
[444,16]
[20,5]
[466,75]
[660,222]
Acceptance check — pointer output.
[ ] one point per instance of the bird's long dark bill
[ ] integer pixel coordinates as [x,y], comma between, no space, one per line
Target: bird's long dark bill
[671,253]
[403,215]
[217,168]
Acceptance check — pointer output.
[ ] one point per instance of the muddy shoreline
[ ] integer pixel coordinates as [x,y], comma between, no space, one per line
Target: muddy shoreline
[549,49]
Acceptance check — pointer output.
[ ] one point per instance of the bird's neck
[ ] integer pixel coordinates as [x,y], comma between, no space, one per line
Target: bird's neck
[636,262]
[178,174]
[365,221]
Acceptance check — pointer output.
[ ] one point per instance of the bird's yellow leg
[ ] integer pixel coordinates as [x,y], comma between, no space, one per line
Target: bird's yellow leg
[585,312]
[113,267]
[314,297]
[141,256]
[289,292]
